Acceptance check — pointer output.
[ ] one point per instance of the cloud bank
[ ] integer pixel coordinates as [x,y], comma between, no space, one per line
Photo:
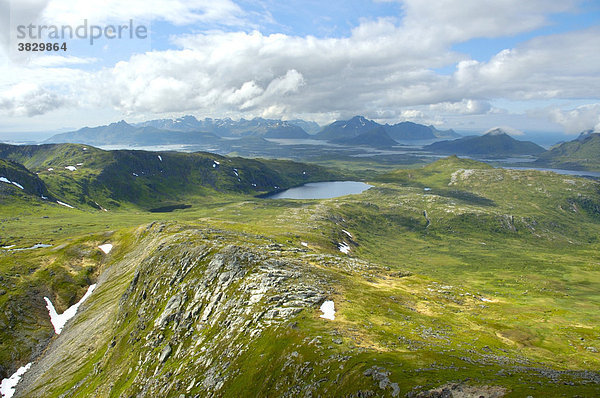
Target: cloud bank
[386,68]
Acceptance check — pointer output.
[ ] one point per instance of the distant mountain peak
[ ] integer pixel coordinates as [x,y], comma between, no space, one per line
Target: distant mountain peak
[585,134]
[503,131]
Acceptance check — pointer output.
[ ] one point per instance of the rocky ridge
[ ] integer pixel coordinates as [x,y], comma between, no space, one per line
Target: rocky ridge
[182,311]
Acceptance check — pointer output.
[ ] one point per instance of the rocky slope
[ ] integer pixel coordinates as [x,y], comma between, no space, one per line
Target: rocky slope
[182,313]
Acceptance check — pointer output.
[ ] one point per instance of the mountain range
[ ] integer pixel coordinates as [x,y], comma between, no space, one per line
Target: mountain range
[342,130]
[188,130]
[376,137]
[267,128]
[251,138]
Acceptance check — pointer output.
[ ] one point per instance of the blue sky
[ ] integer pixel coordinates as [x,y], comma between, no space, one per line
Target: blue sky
[465,64]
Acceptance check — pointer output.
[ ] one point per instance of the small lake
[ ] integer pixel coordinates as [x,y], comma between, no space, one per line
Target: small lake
[322,190]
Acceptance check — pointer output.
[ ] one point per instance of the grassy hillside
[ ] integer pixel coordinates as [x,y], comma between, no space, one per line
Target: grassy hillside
[87,177]
[16,176]
[458,276]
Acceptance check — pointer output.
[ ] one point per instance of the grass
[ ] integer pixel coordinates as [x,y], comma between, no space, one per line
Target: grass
[500,286]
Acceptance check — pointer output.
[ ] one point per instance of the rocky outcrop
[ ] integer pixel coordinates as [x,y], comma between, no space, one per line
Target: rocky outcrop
[195,302]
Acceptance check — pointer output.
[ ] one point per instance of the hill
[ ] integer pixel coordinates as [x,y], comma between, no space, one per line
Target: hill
[14,176]
[376,138]
[407,131]
[89,177]
[494,143]
[582,153]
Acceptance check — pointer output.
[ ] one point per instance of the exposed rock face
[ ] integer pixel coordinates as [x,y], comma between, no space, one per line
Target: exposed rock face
[461,391]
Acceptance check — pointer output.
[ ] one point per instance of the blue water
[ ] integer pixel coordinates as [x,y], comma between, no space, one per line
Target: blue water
[322,190]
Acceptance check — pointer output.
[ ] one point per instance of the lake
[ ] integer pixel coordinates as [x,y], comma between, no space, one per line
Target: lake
[322,190]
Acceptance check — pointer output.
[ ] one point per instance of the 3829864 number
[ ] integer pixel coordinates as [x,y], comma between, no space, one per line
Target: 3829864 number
[39,47]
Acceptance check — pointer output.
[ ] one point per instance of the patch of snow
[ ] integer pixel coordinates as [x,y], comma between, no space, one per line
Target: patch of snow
[235,171]
[426,189]
[344,248]
[64,204]
[106,248]
[328,309]
[486,300]
[72,168]
[59,320]
[101,208]
[135,174]
[253,185]
[304,244]
[8,247]
[44,197]
[6,180]
[79,164]
[36,246]
[347,233]
[215,163]
[51,169]
[7,388]
[85,149]
[160,158]
[304,173]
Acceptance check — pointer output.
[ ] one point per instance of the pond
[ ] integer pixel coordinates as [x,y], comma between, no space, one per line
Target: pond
[322,190]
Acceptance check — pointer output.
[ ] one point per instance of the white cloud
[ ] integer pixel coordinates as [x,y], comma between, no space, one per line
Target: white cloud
[179,12]
[507,129]
[29,99]
[555,66]
[451,21]
[385,68]
[582,118]
[464,107]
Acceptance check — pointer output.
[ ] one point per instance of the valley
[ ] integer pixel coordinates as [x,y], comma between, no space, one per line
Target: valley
[452,275]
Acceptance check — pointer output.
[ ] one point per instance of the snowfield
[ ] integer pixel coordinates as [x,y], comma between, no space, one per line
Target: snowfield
[59,320]
[7,388]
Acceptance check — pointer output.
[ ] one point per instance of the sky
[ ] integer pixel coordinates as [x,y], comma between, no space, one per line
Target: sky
[470,65]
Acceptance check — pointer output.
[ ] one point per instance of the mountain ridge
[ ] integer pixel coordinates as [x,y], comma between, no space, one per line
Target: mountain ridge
[403,131]
[582,153]
[495,142]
